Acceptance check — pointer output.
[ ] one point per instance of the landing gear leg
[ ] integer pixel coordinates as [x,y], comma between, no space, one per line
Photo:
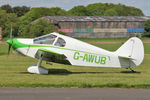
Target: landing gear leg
[38,69]
[132,70]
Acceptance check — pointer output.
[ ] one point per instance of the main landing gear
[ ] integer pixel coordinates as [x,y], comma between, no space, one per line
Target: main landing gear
[132,70]
[38,69]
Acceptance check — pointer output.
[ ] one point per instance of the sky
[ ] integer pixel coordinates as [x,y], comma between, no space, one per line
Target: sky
[144,5]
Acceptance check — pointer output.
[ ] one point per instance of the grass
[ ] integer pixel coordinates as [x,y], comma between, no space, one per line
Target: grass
[103,39]
[109,39]
[13,73]
[3,49]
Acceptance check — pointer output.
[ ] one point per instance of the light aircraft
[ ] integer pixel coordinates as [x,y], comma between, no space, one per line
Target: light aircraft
[62,49]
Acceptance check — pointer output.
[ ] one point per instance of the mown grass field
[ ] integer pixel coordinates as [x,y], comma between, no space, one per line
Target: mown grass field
[13,73]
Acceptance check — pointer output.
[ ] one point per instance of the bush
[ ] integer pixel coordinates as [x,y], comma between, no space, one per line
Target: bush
[147,29]
[60,32]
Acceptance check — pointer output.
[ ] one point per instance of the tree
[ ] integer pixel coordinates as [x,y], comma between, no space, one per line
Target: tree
[79,11]
[11,21]
[58,12]
[3,17]
[8,8]
[41,27]
[97,9]
[105,9]
[36,13]
[147,29]
[3,20]
[110,12]
[123,10]
[6,21]
[20,11]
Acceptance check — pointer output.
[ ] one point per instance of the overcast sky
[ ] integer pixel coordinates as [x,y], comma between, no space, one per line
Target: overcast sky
[68,4]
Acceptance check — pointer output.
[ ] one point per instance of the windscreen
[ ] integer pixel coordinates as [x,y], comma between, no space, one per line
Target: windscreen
[48,39]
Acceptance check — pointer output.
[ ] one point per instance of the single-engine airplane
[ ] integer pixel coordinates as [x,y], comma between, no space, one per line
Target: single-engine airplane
[62,49]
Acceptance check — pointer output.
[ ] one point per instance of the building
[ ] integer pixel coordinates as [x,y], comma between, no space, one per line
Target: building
[97,26]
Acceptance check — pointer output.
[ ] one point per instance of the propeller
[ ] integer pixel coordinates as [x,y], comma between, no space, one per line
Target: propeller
[9,48]
[10,41]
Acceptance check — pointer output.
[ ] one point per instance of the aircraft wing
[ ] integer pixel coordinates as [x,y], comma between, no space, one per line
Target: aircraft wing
[52,56]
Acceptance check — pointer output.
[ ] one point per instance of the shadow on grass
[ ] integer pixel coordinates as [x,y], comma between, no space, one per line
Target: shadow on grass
[59,71]
[130,72]
[24,72]
[66,72]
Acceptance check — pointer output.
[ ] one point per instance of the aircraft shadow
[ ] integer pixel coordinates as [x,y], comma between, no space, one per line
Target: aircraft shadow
[128,72]
[66,72]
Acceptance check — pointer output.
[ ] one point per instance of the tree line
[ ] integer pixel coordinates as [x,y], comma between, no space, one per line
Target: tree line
[20,17]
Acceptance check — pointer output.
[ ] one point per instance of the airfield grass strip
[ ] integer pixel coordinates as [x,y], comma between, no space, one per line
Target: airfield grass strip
[71,76]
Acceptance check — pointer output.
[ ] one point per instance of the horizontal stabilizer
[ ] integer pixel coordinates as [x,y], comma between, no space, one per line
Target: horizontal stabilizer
[126,57]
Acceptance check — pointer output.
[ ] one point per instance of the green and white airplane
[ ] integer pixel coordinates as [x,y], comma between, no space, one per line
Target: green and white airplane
[62,49]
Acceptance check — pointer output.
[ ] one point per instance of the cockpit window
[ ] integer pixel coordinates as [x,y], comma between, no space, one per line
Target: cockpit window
[47,39]
[60,42]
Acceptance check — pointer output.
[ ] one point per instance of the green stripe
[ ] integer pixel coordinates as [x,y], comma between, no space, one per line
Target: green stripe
[61,48]
[17,45]
[45,50]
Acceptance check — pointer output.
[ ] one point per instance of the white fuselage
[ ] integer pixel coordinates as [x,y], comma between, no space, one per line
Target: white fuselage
[77,52]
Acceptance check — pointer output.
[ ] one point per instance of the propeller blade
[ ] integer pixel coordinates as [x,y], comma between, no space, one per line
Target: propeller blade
[10,41]
[9,49]
[11,33]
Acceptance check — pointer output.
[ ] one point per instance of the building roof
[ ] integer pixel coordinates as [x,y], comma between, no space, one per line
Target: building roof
[97,18]
[56,19]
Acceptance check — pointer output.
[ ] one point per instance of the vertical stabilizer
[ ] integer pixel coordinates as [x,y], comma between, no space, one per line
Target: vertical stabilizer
[133,50]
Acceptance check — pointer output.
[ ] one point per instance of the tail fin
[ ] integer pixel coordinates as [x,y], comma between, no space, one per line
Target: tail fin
[133,50]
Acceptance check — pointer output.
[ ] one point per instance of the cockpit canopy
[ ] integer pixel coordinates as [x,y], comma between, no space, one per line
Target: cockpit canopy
[50,39]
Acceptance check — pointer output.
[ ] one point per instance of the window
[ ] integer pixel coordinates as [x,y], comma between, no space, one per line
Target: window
[47,39]
[60,42]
